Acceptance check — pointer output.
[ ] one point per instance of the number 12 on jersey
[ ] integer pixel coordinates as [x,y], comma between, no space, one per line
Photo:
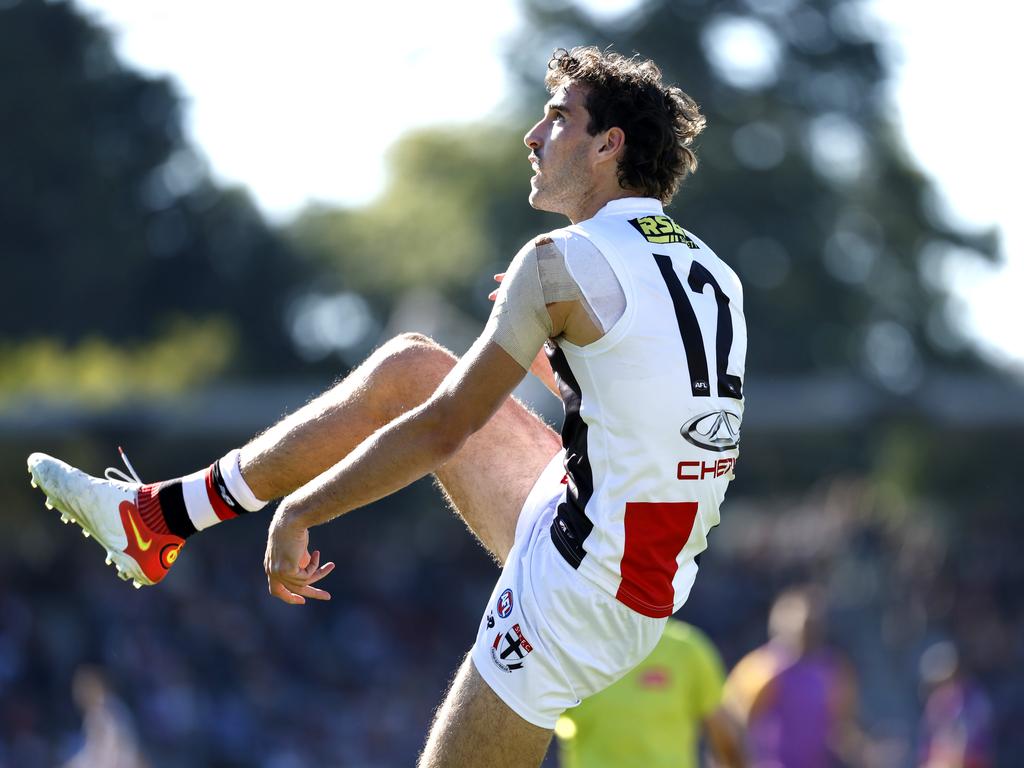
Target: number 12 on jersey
[689,329]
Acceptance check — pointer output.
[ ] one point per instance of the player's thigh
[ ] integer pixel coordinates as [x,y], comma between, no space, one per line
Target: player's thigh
[490,477]
[473,727]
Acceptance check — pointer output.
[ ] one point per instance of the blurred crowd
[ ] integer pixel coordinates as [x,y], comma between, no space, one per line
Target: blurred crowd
[216,673]
[208,670]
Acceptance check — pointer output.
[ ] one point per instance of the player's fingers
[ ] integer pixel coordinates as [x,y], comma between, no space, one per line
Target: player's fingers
[281,592]
[319,573]
[492,295]
[500,276]
[315,593]
[312,562]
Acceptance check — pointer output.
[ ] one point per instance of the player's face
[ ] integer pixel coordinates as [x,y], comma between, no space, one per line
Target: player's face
[561,152]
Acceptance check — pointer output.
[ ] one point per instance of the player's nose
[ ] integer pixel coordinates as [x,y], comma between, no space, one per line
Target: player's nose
[532,139]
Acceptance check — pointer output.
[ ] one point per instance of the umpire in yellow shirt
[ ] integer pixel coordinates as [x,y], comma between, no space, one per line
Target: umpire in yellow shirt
[655,715]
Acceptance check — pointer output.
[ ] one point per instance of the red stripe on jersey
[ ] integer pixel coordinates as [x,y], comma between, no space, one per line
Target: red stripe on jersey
[655,533]
[222,510]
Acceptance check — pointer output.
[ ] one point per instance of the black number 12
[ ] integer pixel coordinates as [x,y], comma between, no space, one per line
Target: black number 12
[689,329]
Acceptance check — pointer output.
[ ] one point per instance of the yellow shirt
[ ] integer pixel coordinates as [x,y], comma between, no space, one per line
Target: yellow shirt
[651,717]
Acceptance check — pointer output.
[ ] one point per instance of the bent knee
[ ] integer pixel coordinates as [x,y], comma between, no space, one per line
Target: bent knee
[409,367]
[415,345]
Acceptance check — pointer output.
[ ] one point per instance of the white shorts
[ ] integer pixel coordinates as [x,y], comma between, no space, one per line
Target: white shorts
[549,638]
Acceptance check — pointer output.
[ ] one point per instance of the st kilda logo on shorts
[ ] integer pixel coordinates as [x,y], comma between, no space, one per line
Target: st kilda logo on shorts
[509,649]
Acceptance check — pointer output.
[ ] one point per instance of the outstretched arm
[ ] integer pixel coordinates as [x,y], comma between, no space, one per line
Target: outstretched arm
[425,437]
[400,453]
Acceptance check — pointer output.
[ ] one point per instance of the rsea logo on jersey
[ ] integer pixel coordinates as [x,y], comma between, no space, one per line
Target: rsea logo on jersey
[714,431]
[661,230]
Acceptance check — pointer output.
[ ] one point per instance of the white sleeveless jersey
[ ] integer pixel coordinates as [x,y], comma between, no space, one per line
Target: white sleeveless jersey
[652,411]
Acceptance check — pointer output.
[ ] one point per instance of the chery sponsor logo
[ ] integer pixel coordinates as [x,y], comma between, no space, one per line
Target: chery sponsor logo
[701,470]
[714,431]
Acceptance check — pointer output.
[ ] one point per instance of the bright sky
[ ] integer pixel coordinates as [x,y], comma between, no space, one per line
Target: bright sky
[954,91]
[300,101]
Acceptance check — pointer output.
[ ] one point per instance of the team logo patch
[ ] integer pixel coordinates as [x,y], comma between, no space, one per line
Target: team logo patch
[505,603]
[661,230]
[715,431]
[510,649]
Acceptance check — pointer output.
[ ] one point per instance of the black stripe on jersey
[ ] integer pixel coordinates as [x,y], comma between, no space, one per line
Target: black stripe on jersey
[571,526]
[689,330]
[172,504]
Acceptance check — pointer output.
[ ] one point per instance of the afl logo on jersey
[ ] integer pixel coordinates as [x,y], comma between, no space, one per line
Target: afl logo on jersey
[715,431]
[505,603]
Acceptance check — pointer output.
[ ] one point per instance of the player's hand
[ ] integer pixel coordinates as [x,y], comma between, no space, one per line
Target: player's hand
[291,569]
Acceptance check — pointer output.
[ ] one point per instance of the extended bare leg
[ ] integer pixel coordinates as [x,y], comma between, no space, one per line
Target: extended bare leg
[487,481]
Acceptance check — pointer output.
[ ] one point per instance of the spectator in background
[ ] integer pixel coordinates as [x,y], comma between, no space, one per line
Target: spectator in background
[796,698]
[956,728]
[110,740]
[655,715]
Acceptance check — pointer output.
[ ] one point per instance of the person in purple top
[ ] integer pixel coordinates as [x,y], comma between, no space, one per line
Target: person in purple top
[796,697]
[956,726]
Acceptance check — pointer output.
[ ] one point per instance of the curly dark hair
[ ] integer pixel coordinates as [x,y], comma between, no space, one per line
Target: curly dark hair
[660,122]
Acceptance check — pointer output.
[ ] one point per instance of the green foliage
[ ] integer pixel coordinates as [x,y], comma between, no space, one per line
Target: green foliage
[97,372]
[454,208]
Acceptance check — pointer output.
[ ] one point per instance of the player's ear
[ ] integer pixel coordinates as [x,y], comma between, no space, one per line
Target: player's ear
[614,143]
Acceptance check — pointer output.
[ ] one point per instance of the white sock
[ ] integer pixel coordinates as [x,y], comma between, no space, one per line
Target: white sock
[218,493]
[197,500]
[231,471]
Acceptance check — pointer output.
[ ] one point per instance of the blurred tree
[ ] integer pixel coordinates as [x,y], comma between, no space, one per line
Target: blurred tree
[109,222]
[453,212]
[98,372]
[806,189]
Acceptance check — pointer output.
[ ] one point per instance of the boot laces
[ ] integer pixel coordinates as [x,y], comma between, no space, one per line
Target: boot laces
[113,473]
